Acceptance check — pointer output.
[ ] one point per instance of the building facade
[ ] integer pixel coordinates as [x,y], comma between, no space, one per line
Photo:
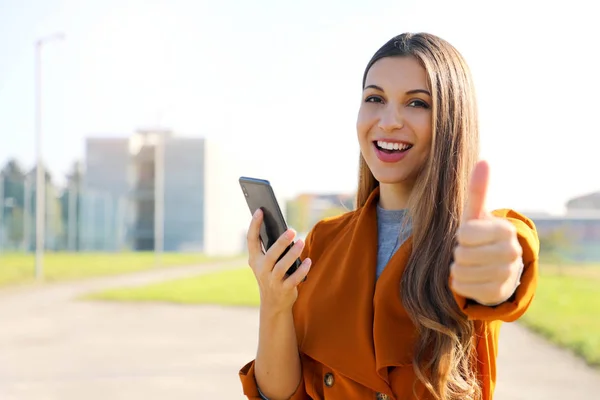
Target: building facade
[570,237]
[197,194]
[586,203]
[104,193]
[304,211]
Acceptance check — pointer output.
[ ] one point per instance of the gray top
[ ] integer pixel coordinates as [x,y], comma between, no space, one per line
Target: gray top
[391,233]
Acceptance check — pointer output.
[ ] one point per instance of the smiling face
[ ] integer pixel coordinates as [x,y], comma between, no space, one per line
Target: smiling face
[394,123]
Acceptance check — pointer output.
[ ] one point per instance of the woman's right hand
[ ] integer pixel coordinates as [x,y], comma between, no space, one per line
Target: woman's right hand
[278,293]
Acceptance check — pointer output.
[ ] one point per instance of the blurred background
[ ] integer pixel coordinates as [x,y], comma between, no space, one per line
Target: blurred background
[124,126]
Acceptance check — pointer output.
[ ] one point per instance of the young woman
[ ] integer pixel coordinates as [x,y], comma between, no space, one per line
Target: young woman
[405,294]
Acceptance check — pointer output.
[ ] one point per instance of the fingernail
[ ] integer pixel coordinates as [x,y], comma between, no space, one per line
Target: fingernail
[256,213]
[289,234]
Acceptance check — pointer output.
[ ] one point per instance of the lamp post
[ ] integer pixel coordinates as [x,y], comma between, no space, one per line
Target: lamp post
[159,197]
[2,180]
[40,192]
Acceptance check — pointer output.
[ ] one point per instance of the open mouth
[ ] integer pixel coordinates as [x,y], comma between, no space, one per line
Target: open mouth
[392,147]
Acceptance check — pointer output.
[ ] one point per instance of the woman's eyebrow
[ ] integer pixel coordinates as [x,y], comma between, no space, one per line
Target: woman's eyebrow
[413,91]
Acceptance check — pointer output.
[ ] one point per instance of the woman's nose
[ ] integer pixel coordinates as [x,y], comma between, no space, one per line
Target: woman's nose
[390,119]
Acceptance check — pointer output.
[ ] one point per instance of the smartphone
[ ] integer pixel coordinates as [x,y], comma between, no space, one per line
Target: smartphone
[259,194]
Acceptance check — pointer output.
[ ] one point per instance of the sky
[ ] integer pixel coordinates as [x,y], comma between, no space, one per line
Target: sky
[279,83]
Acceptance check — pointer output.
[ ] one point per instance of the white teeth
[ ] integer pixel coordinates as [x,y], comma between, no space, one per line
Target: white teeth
[392,146]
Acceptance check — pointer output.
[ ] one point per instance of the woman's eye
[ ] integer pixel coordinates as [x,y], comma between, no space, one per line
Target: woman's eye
[418,103]
[373,99]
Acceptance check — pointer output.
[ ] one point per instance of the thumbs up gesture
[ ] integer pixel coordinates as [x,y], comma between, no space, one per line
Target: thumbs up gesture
[487,260]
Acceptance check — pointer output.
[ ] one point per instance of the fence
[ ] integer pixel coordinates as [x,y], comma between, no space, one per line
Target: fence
[76,219]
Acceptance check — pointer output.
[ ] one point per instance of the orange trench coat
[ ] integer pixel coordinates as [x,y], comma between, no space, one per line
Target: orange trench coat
[354,336]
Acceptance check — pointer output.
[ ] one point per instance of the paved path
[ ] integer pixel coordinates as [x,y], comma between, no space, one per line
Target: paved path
[531,368]
[55,347]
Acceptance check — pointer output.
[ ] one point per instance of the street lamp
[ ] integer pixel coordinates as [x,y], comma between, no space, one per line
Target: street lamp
[40,190]
[159,197]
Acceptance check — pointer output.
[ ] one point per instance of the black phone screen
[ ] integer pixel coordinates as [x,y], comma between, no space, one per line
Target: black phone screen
[259,194]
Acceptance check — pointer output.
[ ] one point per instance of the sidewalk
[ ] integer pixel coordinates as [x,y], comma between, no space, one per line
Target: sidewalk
[53,347]
[529,368]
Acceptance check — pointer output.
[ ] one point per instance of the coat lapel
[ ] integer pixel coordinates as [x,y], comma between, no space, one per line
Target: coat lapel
[393,330]
[334,310]
[343,319]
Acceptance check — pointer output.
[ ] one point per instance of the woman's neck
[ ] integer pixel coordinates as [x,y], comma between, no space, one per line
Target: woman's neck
[394,196]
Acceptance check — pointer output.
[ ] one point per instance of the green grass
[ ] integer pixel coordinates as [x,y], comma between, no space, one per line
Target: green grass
[566,309]
[232,287]
[19,268]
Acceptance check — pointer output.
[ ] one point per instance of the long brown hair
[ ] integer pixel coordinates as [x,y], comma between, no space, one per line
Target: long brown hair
[444,359]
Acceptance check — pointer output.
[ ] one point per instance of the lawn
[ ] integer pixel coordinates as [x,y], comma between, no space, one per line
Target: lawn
[19,268]
[566,309]
[235,287]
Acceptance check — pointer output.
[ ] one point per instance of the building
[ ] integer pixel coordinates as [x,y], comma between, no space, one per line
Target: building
[104,195]
[304,211]
[202,205]
[576,237]
[576,234]
[589,202]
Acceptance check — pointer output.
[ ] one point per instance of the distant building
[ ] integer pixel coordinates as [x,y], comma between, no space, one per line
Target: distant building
[201,195]
[304,211]
[104,196]
[580,235]
[578,229]
[589,202]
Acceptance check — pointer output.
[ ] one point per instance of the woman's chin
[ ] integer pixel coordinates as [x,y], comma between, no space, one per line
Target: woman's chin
[392,179]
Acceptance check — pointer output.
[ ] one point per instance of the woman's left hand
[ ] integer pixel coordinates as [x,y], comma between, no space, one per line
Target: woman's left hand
[488,259]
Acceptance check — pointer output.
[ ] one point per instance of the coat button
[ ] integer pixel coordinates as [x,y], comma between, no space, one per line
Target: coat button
[328,379]
[382,396]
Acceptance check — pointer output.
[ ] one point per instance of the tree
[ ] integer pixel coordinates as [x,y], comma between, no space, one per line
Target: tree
[15,228]
[298,213]
[75,176]
[13,170]
[333,211]
[72,193]
[14,182]
[54,222]
[32,174]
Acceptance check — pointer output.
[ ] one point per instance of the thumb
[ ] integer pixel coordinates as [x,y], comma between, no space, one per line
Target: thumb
[477,192]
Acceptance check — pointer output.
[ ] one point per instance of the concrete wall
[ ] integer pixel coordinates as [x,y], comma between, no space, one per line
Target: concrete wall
[105,185]
[184,194]
[227,215]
